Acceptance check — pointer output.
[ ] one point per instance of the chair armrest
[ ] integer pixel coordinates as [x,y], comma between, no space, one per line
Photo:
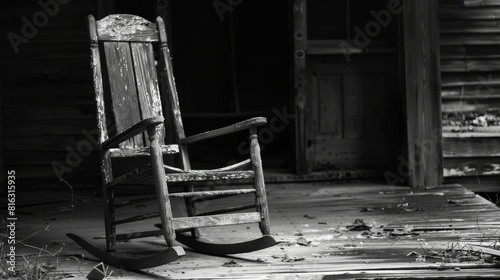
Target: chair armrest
[132,131]
[246,124]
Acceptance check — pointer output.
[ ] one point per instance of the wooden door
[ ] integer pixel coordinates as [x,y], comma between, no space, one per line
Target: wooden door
[349,112]
[354,116]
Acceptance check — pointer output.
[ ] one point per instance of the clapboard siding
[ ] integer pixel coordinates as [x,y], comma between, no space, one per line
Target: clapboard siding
[470,75]
[47,93]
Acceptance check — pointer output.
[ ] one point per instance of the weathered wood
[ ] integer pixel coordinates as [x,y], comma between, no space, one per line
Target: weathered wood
[123,153]
[260,189]
[108,198]
[299,12]
[423,100]
[471,147]
[243,125]
[488,81]
[470,14]
[147,82]
[123,89]
[211,193]
[469,39]
[334,252]
[470,52]
[470,95]
[470,65]
[126,28]
[195,175]
[137,218]
[161,185]
[136,104]
[465,132]
[157,259]
[98,83]
[133,202]
[465,26]
[216,220]
[481,3]
[491,105]
[471,166]
[479,93]
[236,166]
[228,210]
[141,234]
[132,131]
[226,249]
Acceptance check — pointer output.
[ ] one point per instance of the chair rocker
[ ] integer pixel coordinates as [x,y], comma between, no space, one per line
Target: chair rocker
[133,97]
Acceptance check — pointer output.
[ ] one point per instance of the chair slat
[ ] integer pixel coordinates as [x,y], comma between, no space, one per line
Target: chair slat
[212,193]
[147,82]
[194,176]
[123,89]
[216,220]
[137,218]
[141,234]
[228,210]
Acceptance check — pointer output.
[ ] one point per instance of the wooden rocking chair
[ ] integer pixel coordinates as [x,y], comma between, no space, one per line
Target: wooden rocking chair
[134,93]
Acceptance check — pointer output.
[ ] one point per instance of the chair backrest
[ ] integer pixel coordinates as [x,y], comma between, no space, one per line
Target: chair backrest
[133,90]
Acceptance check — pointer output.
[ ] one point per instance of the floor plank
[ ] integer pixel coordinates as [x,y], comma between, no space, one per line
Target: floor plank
[408,229]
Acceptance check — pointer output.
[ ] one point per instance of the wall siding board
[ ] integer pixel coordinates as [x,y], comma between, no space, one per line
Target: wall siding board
[47,94]
[470,67]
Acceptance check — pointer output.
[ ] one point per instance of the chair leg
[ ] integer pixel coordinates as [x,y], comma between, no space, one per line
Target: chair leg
[191,211]
[259,184]
[109,218]
[108,200]
[161,187]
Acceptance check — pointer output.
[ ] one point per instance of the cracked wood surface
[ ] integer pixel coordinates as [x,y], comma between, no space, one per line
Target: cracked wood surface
[407,230]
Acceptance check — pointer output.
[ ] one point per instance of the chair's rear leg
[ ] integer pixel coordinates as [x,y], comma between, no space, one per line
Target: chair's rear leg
[109,218]
[258,181]
[108,200]
[191,211]
[161,187]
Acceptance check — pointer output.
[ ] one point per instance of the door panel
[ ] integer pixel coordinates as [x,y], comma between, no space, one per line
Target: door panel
[353,116]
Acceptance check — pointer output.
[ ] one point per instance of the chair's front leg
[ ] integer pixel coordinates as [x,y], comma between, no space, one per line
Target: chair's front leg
[161,187]
[108,200]
[260,189]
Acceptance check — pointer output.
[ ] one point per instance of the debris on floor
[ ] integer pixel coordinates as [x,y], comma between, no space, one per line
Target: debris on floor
[231,263]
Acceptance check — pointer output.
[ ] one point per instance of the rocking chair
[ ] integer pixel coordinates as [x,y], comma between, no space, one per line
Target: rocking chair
[135,96]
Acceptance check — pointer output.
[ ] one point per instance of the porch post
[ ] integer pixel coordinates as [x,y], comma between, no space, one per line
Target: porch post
[423,92]
[300,83]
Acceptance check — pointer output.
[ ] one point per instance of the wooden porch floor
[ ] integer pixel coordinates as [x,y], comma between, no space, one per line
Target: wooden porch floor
[327,231]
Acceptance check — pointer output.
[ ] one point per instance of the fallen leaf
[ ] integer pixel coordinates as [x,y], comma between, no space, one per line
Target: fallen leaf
[358,225]
[294,259]
[231,263]
[413,209]
[302,241]
[455,201]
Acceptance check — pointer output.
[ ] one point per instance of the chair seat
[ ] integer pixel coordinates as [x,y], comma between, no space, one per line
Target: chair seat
[143,175]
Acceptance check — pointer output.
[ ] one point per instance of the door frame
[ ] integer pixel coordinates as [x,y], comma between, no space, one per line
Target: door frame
[420,80]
